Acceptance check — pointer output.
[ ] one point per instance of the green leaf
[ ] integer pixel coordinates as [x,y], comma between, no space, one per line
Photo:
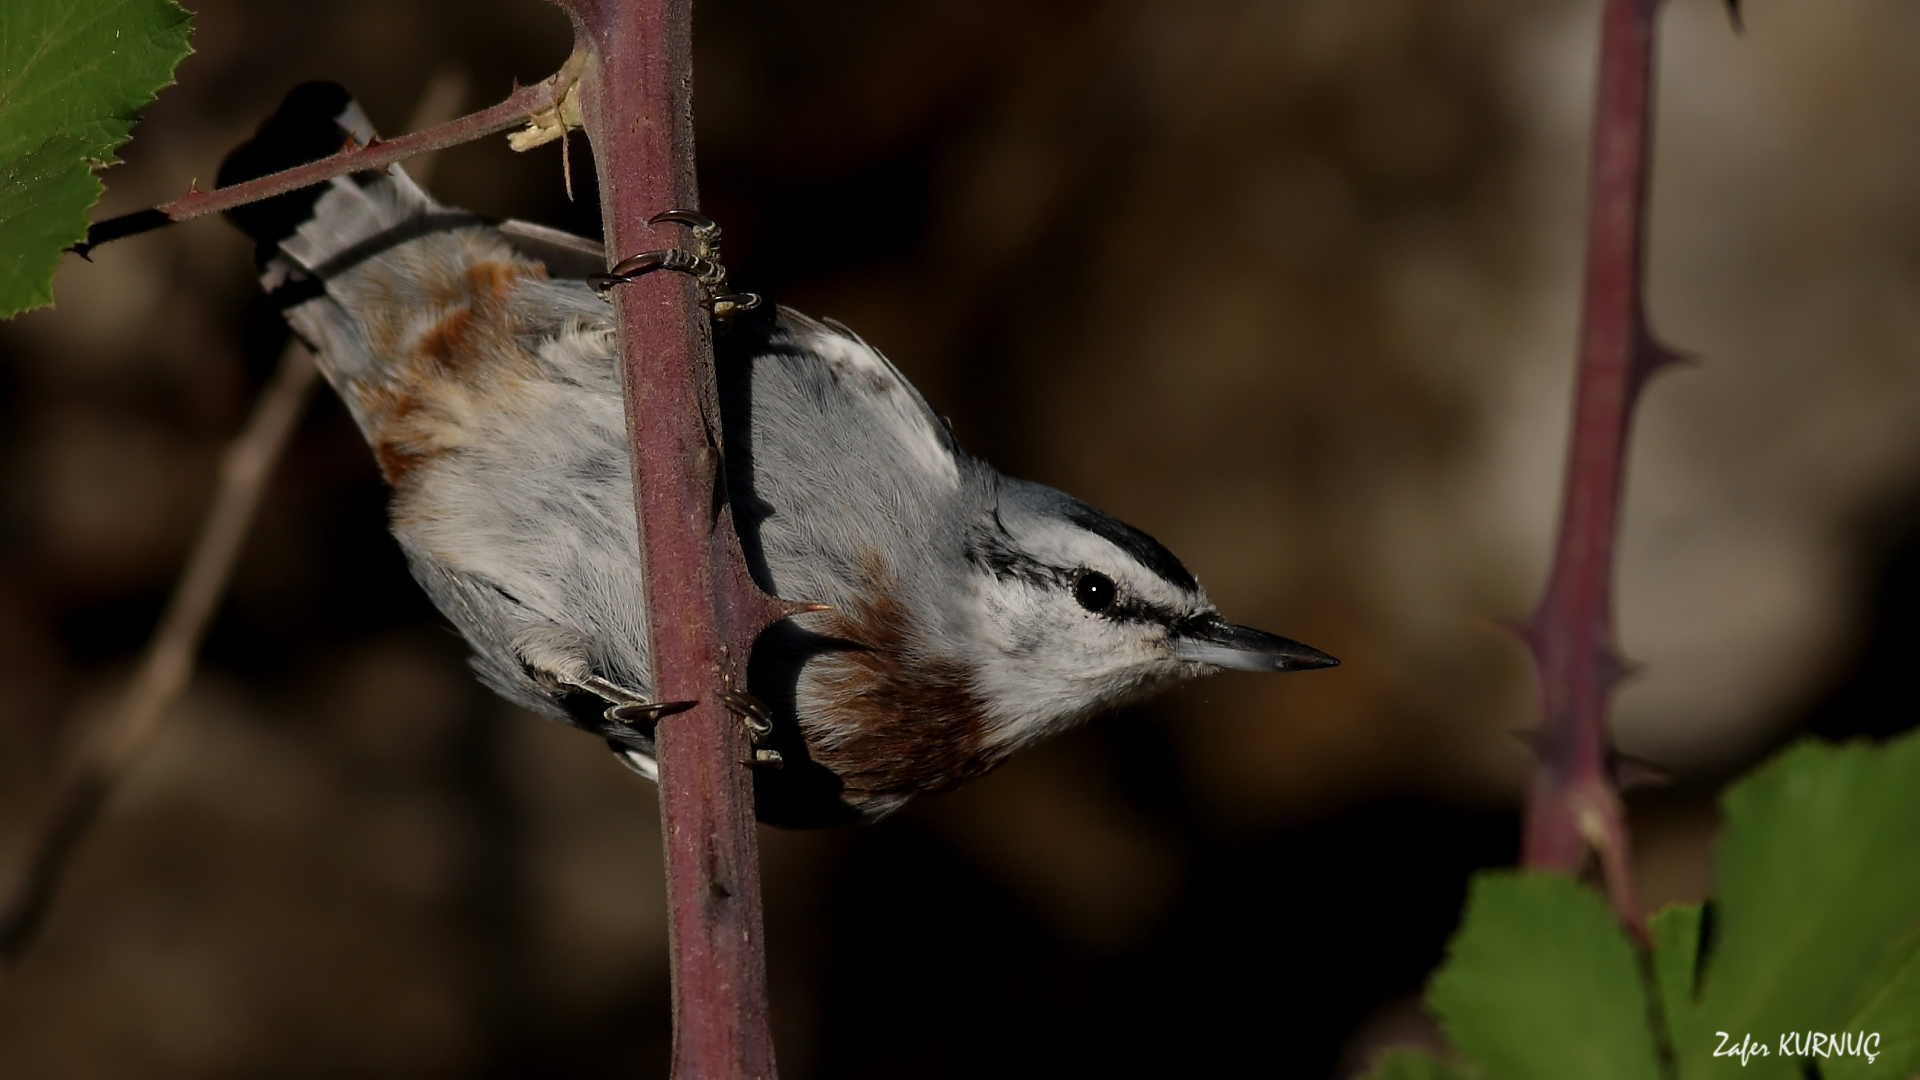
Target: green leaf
[1819,899]
[73,76]
[42,194]
[1541,983]
[1816,929]
[1403,1064]
[1675,934]
[1894,1015]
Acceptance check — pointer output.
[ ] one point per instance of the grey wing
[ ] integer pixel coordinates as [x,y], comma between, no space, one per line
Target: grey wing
[544,667]
[474,606]
[836,461]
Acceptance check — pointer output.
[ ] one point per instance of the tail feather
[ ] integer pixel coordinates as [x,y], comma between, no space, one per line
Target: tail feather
[414,310]
[299,234]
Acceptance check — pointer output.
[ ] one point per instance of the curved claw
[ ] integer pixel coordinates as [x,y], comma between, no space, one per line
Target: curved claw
[727,305]
[665,259]
[752,711]
[637,266]
[703,227]
[635,713]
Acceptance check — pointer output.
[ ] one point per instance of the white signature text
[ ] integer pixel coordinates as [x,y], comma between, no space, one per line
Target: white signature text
[1803,1044]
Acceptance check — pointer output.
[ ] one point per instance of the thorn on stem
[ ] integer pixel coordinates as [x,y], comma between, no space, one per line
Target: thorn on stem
[1652,356]
[1615,669]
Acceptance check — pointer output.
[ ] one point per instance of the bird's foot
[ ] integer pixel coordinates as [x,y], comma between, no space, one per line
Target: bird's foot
[758,720]
[703,263]
[631,718]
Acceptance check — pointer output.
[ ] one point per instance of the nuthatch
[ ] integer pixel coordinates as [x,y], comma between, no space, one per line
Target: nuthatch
[969,613]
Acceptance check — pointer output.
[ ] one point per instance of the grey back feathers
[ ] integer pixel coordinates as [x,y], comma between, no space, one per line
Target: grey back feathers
[838,470]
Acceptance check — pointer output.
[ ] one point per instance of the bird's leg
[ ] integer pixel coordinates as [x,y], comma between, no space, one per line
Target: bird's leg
[703,263]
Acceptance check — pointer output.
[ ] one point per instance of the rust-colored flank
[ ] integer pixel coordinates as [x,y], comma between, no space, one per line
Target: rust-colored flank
[904,722]
[405,422]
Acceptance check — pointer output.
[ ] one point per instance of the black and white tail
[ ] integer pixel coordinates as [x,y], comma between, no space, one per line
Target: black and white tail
[304,230]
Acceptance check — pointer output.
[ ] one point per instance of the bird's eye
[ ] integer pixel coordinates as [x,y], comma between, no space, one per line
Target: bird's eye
[1094,590]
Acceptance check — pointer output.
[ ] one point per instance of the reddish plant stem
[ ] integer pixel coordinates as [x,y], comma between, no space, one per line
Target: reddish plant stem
[520,106]
[1572,802]
[704,610]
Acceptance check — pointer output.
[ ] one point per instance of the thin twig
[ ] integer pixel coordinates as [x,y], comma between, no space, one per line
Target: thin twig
[1573,804]
[169,659]
[524,104]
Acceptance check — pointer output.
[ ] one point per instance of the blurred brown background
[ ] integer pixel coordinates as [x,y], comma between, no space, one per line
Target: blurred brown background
[1289,284]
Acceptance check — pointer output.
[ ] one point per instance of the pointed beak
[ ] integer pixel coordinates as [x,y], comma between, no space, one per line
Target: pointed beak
[1210,639]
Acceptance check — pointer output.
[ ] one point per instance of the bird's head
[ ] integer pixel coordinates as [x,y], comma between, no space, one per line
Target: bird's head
[1072,612]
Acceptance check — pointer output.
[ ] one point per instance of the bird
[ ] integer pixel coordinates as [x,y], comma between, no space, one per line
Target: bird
[960,614]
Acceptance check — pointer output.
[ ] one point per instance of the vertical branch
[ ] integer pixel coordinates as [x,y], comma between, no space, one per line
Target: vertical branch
[1572,802]
[703,609]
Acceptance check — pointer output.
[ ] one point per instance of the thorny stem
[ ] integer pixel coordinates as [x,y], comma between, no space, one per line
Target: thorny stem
[168,662]
[526,103]
[703,609]
[1572,802]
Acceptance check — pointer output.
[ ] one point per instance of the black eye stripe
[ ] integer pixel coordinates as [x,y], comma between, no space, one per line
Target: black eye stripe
[1150,553]
[992,550]
[1135,610]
